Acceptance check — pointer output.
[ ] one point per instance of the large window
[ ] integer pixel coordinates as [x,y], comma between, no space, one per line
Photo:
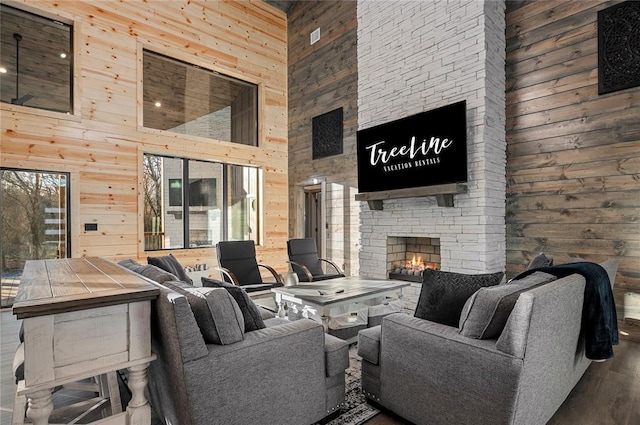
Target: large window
[219,202]
[36,61]
[188,99]
[34,223]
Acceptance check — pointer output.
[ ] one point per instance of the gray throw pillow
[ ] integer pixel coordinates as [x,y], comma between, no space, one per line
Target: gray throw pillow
[486,312]
[216,312]
[128,263]
[152,272]
[540,260]
[443,294]
[172,265]
[251,313]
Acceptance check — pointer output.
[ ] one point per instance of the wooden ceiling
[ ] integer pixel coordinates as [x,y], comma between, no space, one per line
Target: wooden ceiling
[171,83]
[44,74]
[283,5]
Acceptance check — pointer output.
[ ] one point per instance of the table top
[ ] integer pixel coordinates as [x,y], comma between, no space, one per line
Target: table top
[72,284]
[340,289]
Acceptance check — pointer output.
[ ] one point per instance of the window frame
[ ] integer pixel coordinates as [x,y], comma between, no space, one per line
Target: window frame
[74,113]
[67,199]
[222,186]
[205,66]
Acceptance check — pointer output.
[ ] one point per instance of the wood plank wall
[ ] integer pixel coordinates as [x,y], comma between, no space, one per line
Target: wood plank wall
[102,144]
[323,77]
[573,156]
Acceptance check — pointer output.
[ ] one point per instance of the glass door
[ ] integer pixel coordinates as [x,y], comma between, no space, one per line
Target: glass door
[313,215]
[34,223]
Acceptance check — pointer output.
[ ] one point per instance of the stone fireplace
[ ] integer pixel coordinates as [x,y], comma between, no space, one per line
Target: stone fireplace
[412,75]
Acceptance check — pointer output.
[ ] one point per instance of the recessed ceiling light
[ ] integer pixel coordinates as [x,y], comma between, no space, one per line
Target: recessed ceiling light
[158,104]
[3,70]
[63,55]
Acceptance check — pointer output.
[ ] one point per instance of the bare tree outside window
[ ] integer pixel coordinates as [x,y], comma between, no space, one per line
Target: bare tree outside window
[191,203]
[33,211]
[152,187]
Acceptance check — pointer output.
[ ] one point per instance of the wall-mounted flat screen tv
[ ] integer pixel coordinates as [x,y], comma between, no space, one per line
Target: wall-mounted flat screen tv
[426,149]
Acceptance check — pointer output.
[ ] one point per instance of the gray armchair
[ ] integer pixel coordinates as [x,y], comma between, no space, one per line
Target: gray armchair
[289,373]
[430,373]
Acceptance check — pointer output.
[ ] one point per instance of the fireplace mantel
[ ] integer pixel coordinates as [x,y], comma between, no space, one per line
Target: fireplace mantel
[443,193]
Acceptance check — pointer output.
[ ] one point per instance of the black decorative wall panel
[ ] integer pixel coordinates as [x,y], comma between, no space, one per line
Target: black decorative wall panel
[619,47]
[327,134]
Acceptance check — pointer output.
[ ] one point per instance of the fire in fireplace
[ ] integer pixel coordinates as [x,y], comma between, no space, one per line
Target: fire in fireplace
[407,257]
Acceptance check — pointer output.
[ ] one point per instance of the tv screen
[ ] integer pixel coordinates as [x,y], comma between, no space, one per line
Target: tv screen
[426,149]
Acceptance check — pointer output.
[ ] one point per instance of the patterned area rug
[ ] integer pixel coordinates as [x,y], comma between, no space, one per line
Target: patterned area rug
[356,409]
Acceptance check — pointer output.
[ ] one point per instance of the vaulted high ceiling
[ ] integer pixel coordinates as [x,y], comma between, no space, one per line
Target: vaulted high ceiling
[283,5]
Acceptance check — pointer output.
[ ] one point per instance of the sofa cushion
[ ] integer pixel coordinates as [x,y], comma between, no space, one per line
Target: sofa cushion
[252,317]
[540,260]
[486,311]
[216,312]
[443,294]
[172,265]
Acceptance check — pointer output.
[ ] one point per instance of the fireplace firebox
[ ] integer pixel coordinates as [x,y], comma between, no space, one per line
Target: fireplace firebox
[407,257]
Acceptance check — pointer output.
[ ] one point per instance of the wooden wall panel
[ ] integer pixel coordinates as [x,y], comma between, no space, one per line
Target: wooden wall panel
[102,146]
[573,157]
[323,77]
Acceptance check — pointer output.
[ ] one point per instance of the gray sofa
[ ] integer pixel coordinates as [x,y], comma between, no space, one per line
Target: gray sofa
[286,373]
[430,373]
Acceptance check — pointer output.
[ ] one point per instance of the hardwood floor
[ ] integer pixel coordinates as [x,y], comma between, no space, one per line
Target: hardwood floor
[607,394]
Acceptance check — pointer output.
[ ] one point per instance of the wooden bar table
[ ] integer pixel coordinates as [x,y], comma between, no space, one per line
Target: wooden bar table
[84,317]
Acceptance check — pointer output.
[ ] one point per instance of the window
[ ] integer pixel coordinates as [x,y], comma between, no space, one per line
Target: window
[34,223]
[188,99]
[36,61]
[221,198]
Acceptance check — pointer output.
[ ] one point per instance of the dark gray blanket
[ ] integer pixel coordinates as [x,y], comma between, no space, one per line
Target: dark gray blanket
[599,319]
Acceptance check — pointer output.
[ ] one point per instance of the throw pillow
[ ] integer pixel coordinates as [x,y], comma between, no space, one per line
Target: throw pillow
[216,312]
[443,294]
[251,313]
[154,273]
[486,312]
[540,260]
[172,265]
[128,263]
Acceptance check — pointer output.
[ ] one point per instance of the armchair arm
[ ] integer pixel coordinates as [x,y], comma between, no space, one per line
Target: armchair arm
[275,274]
[334,265]
[224,272]
[303,268]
